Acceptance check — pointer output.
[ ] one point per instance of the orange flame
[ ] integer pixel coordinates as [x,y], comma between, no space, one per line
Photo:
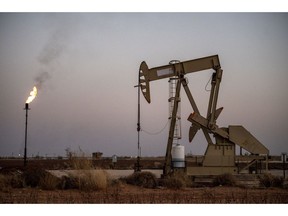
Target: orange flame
[33,94]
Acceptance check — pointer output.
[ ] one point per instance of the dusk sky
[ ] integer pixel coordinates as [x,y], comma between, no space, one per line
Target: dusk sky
[86,65]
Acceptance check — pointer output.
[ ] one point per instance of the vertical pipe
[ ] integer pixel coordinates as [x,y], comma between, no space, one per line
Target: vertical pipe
[284,160]
[26,123]
[168,158]
[138,119]
[138,129]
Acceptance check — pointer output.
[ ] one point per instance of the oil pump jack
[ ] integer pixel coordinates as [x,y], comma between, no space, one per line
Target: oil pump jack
[219,156]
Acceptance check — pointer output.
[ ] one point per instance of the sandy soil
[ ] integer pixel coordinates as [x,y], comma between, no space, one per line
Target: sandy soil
[123,193]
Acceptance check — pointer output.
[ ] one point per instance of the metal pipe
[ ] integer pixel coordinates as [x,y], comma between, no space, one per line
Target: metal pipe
[137,166]
[26,123]
[167,165]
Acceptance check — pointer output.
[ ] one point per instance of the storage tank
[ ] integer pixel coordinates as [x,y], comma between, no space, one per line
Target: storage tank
[114,159]
[178,156]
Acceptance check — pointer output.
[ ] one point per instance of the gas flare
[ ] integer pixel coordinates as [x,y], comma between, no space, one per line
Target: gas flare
[33,94]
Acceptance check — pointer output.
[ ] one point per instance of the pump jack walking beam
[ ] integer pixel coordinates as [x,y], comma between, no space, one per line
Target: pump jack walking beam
[180,68]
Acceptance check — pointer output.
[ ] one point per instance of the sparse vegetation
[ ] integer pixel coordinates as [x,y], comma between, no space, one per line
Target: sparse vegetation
[88,185]
[172,182]
[81,163]
[96,180]
[88,178]
[268,180]
[3,182]
[49,182]
[176,181]
[78,160]
[225,179]
[33,176]
[143,179]
[16,180]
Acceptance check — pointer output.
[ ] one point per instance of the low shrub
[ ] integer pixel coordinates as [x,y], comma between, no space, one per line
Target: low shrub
[268,180]
[176,181]
[3,182]
[33,176]
[86,180]
[16,180]
[41,178]
[278,181]
[12,180]
[81,163]
[49,182]
[93,180]
[69,182]
[78,160]
[143,179]
[173,183]
[226,179]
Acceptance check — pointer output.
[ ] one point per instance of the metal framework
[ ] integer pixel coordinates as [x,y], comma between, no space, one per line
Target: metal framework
[172,93]
[219,156]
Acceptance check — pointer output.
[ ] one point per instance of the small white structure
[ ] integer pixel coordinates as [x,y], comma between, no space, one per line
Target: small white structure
[114,159]
[178,156]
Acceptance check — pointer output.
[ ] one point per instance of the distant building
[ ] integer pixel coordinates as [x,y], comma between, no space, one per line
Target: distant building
[97,155]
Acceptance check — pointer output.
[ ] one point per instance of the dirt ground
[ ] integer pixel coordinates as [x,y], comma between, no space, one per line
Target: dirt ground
[123,193]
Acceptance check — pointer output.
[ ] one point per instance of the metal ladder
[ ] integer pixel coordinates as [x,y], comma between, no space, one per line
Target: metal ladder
[172,92]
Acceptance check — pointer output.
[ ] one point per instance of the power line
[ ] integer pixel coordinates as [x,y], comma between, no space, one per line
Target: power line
[156,133]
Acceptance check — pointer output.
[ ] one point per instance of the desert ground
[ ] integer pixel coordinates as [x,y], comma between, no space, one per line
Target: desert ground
[119,189]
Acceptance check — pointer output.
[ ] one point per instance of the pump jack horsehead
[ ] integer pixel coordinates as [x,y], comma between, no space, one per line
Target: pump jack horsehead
[219,156]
